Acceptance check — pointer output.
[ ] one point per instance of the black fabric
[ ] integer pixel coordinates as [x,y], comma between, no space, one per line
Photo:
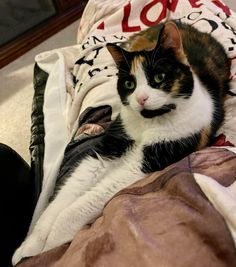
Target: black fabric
[37,129]
[20,184]
[17,202]
[78,148]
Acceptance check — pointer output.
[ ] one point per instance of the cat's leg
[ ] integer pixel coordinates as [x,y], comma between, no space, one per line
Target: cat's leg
[83,178]
[90,205]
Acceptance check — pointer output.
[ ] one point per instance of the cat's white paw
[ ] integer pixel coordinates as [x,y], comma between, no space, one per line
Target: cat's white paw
[35,242]
[32,246]
[17,255]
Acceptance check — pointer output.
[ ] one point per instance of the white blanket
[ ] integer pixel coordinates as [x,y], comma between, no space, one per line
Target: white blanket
[84,75]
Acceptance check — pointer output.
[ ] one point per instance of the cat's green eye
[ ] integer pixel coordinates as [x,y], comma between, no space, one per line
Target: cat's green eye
[129,85]
[158,78]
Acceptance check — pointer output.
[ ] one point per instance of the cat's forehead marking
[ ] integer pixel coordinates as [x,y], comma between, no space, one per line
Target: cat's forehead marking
[140,43]
[136,63]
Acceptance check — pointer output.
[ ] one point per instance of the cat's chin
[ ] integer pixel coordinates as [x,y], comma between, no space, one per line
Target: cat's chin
[149,114]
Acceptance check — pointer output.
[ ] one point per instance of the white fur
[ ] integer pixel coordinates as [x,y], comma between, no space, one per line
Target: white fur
[190,115]
[156,98]
[81,200]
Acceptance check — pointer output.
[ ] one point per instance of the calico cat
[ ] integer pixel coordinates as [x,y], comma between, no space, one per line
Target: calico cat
[175,77]
[172,80]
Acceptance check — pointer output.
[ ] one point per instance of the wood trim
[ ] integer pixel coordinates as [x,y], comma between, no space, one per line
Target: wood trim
[40,33]
[66,4]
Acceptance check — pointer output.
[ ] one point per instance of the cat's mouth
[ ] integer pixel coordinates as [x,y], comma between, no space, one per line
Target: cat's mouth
[149,114]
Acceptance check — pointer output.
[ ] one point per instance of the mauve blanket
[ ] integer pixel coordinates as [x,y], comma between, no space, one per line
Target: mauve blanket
[162,220]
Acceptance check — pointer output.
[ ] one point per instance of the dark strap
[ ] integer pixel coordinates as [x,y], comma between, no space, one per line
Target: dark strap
[37,129]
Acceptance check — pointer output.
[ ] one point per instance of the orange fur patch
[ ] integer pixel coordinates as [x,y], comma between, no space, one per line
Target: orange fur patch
[204,138]
[140,43]
[135,63]
[175,88]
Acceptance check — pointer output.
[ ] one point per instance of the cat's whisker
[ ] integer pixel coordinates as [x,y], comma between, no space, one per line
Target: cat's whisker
[149,60]
[157,61]
[127,62]
[156,49]
[123,70]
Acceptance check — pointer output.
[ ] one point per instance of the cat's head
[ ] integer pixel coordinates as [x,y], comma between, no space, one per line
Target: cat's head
[153,82]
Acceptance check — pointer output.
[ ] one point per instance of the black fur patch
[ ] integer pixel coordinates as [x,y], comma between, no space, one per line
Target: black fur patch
[123,92]
[117,138]
[164,61]
[113,143]
[146,113]
[160,155]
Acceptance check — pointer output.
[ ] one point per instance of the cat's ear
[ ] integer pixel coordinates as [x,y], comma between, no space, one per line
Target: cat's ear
[119,54]
[170,38]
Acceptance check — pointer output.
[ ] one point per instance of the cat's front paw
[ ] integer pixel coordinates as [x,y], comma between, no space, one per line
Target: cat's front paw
[17,256]
[33,244]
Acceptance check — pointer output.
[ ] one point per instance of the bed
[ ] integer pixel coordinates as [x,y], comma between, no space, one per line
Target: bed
[183,215]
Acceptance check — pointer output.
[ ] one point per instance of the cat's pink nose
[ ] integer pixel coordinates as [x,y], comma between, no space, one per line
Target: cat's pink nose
[142,99]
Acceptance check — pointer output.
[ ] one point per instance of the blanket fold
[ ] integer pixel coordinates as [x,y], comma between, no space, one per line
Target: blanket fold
[162,220]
